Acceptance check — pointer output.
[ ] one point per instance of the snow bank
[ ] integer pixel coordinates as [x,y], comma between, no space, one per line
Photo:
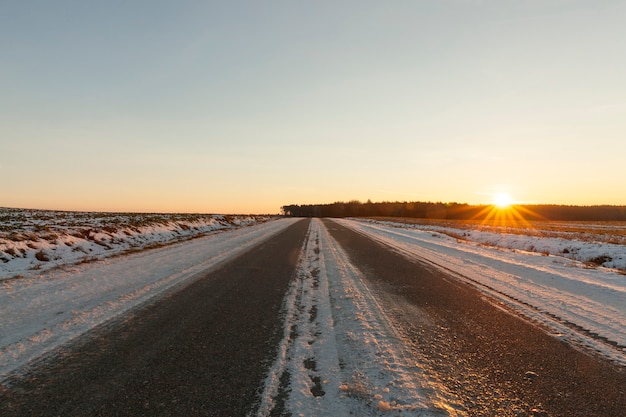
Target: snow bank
[32,241]
[595,244]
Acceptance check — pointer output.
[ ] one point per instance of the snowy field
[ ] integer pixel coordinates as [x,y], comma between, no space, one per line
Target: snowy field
[33,241]
[593,243]
[575,299]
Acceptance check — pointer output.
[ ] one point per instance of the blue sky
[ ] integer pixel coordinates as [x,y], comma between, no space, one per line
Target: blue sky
[238,107]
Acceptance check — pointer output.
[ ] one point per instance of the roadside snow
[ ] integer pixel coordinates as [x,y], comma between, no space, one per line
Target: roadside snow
[340,354]
[43,311]
[32,241]
[584,305]
[596,244]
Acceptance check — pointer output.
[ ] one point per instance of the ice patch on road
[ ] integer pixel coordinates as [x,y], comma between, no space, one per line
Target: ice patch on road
[340,354]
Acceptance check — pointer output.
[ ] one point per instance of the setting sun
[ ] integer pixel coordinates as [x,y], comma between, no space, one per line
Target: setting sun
[502,200]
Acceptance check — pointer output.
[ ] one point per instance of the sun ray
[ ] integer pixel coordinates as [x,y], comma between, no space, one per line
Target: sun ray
[503,212]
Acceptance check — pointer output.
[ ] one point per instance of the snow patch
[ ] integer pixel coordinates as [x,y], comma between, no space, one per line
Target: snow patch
[340,354]
[32,241]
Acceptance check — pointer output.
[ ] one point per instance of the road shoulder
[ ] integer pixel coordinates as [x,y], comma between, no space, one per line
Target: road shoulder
[499,364]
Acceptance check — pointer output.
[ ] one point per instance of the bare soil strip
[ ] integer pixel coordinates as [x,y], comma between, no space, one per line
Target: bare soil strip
[497,363]
[202,351]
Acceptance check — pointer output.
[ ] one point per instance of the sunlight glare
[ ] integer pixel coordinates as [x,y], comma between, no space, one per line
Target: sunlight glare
[502,200]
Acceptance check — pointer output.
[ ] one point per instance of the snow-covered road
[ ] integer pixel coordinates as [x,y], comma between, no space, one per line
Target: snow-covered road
[340,354]
[584,305]
[43,312]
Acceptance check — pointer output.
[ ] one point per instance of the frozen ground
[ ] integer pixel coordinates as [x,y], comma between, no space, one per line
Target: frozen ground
[32,241]
[576,300]
[593,243]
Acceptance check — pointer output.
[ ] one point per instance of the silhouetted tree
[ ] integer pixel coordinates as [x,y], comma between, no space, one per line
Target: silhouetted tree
[457,211]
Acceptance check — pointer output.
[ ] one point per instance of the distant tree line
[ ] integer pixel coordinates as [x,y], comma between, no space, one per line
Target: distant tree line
[455,211]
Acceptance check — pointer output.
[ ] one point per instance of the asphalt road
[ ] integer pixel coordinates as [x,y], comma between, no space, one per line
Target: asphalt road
[202,351]
[206,349]
[495,362]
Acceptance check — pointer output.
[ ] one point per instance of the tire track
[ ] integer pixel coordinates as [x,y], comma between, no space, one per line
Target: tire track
[340,355]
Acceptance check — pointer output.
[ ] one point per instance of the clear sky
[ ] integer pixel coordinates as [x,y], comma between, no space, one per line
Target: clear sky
[244,106]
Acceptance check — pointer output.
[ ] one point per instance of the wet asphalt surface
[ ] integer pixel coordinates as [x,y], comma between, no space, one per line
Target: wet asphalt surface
[206,349]
[202,351]
[496,363]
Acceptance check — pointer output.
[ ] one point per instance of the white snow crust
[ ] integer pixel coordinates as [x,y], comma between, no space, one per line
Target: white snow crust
[33,241]
[594,243]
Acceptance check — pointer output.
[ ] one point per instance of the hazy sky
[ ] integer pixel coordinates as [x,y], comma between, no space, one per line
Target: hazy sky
[244,106]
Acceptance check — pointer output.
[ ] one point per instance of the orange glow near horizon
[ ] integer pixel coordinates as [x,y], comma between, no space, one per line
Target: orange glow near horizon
[501,214]
[505,211]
